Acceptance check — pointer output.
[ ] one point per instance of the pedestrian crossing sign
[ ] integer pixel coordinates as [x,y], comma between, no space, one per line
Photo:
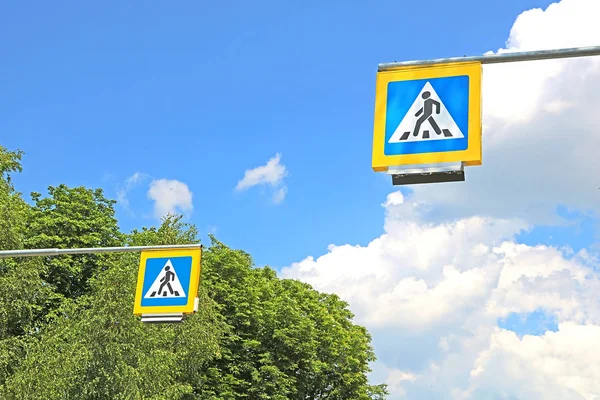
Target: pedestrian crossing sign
[168,281]
[427,115]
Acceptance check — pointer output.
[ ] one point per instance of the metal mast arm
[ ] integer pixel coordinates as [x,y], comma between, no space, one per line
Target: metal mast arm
[57,252]
[501,58]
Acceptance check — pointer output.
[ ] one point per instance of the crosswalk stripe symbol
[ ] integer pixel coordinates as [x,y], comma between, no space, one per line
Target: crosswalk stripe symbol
[166,284]
[426,119]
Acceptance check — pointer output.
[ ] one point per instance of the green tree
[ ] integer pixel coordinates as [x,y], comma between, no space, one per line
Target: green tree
[13,210]
[284,340]
[256,336]
[95,348]
[23,295]
[172,231]
[72,218]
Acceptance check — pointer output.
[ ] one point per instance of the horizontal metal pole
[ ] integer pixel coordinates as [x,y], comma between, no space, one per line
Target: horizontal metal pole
[91,250]
[501,58]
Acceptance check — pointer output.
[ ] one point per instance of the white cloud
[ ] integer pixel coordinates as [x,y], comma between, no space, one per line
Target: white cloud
[279,195]
[431,294]
[129,184]
[394,378]
[557,365]
[272,173]
[170,196]
[540,135]
[135,178]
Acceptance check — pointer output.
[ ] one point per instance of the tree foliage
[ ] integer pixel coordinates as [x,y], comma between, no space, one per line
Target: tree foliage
[13,210]
[67,330]
[72,218]
[284,339]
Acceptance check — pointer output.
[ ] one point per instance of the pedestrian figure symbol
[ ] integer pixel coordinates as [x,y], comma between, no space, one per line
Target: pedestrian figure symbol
[166,283]
[427,108]
[427,111]
[166,280]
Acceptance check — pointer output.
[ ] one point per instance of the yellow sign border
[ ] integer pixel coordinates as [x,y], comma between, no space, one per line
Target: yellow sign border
[192,290]
[470,156]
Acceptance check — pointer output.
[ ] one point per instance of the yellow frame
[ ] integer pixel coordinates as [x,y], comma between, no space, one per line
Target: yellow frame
[470,156]
[196,254]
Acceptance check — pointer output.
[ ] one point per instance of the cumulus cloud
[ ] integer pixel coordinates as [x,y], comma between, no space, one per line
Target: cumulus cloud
[170,197]
[540,136]
[557,365]
[272,173]
[447,267]
[432,295]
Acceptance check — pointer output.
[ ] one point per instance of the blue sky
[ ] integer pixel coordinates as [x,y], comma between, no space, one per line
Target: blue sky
[199,92]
